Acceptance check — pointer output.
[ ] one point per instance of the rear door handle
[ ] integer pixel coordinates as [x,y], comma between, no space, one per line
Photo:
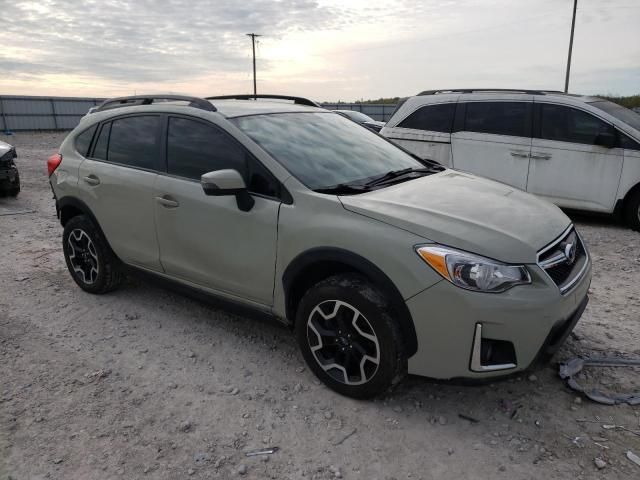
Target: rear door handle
[541,156]
[91,180]
[167,202]
[516,153]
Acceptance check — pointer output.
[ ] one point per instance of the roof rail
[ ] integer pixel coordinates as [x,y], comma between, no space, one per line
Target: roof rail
[296,100]
[474,90]
[136,100]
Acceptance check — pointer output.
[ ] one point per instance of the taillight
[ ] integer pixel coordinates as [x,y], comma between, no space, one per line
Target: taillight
[53,162]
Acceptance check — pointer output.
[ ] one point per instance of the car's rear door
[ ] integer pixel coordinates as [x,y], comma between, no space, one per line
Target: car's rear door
[567,166]
[493,139]
[116,182]
[208,240]
[426,132]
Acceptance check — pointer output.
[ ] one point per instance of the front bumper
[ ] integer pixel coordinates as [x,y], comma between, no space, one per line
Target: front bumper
[535,319]
[8,173]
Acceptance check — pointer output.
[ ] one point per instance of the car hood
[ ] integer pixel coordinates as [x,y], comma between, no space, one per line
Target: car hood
[466,212]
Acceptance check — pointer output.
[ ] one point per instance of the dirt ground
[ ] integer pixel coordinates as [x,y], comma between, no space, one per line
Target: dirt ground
[147,383]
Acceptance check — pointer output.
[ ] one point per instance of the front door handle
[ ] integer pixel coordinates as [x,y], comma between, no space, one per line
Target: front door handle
[522,154]
[541,156]
[167,201]
[92,180]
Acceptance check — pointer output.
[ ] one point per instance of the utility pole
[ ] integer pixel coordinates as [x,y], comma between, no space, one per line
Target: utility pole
[573,26]
[253,46]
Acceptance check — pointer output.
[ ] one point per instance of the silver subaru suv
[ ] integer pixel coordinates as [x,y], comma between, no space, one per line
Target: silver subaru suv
[382,263]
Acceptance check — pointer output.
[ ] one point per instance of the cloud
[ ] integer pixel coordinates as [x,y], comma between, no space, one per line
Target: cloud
[325,49]
[148,40]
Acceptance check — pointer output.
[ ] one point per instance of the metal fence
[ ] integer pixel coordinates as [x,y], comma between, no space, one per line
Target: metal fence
[63,113]
[42,113]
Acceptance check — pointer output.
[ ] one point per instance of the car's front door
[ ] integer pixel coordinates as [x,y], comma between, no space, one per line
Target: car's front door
[570,164]
[426,132]
[116,182]
[208,240]
[493,139]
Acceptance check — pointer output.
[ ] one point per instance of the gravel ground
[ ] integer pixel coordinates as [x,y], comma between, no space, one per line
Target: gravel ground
[146,383]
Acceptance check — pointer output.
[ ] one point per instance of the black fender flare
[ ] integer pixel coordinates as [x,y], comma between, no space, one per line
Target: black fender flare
[319,255]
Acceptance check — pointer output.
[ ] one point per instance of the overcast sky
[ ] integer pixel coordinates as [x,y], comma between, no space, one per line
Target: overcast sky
[323,49]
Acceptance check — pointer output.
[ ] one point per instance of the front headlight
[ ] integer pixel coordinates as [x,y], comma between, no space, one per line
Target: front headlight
[473,272]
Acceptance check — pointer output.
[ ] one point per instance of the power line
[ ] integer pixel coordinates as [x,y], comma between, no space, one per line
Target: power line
[253,48]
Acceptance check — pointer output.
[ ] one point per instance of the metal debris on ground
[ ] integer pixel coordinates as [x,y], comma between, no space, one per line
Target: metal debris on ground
[345,437]
[263,451]
[633,457]
[467,417]
[569,369]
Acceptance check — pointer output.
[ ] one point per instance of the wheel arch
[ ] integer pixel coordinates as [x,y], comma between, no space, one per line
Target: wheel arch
[316,264]
[69,207]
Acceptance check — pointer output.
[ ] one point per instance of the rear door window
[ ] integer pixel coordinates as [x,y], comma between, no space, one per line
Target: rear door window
[101,143]
[195,148]
[499,118]
[566,124]
[433,118]
[134,141]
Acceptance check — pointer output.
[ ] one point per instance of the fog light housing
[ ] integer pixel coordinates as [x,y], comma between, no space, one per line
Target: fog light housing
[489,355]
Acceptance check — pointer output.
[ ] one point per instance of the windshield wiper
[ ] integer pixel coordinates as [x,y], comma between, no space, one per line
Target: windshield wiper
[343,189]
[394,174]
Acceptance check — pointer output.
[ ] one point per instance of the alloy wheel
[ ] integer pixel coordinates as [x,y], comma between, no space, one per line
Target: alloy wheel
[83,256]
[343,342]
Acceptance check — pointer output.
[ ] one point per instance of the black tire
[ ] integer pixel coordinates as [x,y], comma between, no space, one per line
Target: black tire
[346,296]
[632,211]
[92,263]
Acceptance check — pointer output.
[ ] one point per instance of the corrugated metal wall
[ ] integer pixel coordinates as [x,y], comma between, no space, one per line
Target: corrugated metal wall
[63,113]
[42,113]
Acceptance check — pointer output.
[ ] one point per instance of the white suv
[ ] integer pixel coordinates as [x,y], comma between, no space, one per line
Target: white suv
[578,152]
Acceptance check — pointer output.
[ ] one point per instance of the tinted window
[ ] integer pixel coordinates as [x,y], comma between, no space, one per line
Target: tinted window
[195,148]
[565,124]
[134,141]
[621,113]
[499,118]
[100,149]
[83,141]
[323,149]
[434,118]
[627,142]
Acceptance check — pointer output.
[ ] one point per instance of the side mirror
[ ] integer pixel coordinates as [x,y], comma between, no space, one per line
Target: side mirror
[227,182]
[606,139]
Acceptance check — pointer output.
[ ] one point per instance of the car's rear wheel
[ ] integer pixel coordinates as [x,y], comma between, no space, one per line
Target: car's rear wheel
[92,264]
[348,337]
[632,211]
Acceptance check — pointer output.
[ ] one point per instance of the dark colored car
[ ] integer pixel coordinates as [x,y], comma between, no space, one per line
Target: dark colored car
[361,118]
[9,177]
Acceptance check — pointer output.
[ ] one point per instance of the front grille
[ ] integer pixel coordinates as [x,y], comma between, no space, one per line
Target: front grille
[564,260]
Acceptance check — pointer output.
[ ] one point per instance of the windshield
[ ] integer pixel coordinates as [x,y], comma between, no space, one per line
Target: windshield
[623,114]
[355,116]
[324,150]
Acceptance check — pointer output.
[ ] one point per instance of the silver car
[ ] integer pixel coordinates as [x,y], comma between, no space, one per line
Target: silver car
[382,263]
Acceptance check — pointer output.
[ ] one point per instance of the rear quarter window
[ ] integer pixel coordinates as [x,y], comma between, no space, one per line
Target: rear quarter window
[433,118]
[83,140]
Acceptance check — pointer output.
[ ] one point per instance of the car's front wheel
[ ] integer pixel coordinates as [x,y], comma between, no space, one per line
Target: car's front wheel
[348,337]
[92,264]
